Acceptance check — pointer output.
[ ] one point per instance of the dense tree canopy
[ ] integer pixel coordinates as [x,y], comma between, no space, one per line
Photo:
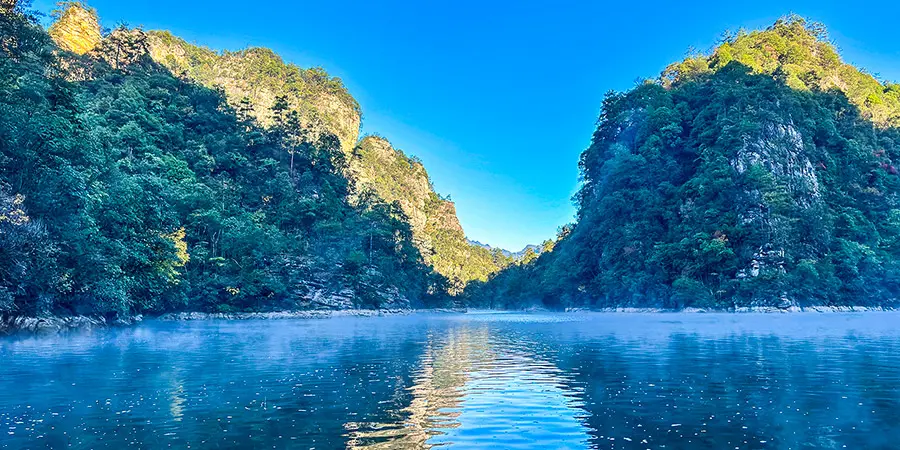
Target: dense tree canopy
[763,173]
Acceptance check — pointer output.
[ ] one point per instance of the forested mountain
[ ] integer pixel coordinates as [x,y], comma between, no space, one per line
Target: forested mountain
[763,173]
[139,173]
[252,79]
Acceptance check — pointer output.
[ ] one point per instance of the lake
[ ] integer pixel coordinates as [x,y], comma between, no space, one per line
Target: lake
[460,381]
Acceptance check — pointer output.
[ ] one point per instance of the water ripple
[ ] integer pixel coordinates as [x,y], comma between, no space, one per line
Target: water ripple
[461,381]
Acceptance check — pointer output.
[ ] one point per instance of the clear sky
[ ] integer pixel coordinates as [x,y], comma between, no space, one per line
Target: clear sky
[498,99]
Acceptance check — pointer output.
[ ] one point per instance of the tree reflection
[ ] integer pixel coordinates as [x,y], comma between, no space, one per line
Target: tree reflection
[473,386]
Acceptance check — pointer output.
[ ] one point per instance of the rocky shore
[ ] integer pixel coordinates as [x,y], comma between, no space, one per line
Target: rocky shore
[313,314]
[54,324]
[744,310]
[57,324]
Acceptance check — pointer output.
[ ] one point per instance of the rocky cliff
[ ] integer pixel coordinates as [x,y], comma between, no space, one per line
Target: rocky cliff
[126,189]
[253,81]
[378,168]
[77,29]
[255,77]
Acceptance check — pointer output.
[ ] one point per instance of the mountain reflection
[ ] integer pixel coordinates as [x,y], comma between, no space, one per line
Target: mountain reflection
[472,387]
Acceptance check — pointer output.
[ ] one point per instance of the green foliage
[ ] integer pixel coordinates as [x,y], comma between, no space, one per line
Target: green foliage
[762,174]
[389,174]
[799,54]
[133,190]
[258,78]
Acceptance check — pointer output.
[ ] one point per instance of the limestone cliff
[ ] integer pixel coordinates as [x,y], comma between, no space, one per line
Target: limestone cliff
[393,176]
[761,174]
[252,80]
[77,29]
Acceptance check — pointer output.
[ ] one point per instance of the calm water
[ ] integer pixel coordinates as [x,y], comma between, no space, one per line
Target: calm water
[672,381]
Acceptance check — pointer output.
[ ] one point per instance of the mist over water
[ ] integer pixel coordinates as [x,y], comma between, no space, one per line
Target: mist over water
[617,381]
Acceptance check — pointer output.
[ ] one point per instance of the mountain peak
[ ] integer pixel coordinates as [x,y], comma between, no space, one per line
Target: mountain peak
[761,174]
[798,52]
[77,28]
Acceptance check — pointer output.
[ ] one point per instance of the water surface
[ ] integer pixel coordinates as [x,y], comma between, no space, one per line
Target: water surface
[609,381]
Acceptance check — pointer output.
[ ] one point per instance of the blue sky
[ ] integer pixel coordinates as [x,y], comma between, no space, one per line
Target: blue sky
[497,99]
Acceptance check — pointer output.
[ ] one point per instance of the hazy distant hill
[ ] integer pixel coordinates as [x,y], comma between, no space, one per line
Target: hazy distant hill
[509,254]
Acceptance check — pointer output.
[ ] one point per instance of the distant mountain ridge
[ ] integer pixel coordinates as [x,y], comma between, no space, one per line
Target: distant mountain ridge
[510,254]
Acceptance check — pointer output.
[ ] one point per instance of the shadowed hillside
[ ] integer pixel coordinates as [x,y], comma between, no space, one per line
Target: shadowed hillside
[126,189]
[259,85]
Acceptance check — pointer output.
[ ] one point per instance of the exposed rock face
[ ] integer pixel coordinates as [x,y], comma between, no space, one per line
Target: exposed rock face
[8,5]
[442,216]
[253,81]
[9,325]
[317,297]
[762,174]
[183,316]
[394,177]
[377,167]
[259,76]
[779,150]
[77,30]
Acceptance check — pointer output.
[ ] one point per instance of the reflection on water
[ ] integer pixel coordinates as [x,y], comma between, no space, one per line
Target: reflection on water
[462,381]
[471,389]
[442,372]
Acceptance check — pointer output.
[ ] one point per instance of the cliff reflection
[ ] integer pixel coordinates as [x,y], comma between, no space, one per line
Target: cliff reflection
[474,386]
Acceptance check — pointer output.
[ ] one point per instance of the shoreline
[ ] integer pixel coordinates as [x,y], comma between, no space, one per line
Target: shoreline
[60,324]
[299,314]
[742,310]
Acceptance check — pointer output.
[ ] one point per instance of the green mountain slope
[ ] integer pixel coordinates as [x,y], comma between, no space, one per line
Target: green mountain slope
[125,189]
[252,79]
[258,77]
[764,173]
[389,174]
[258,85]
